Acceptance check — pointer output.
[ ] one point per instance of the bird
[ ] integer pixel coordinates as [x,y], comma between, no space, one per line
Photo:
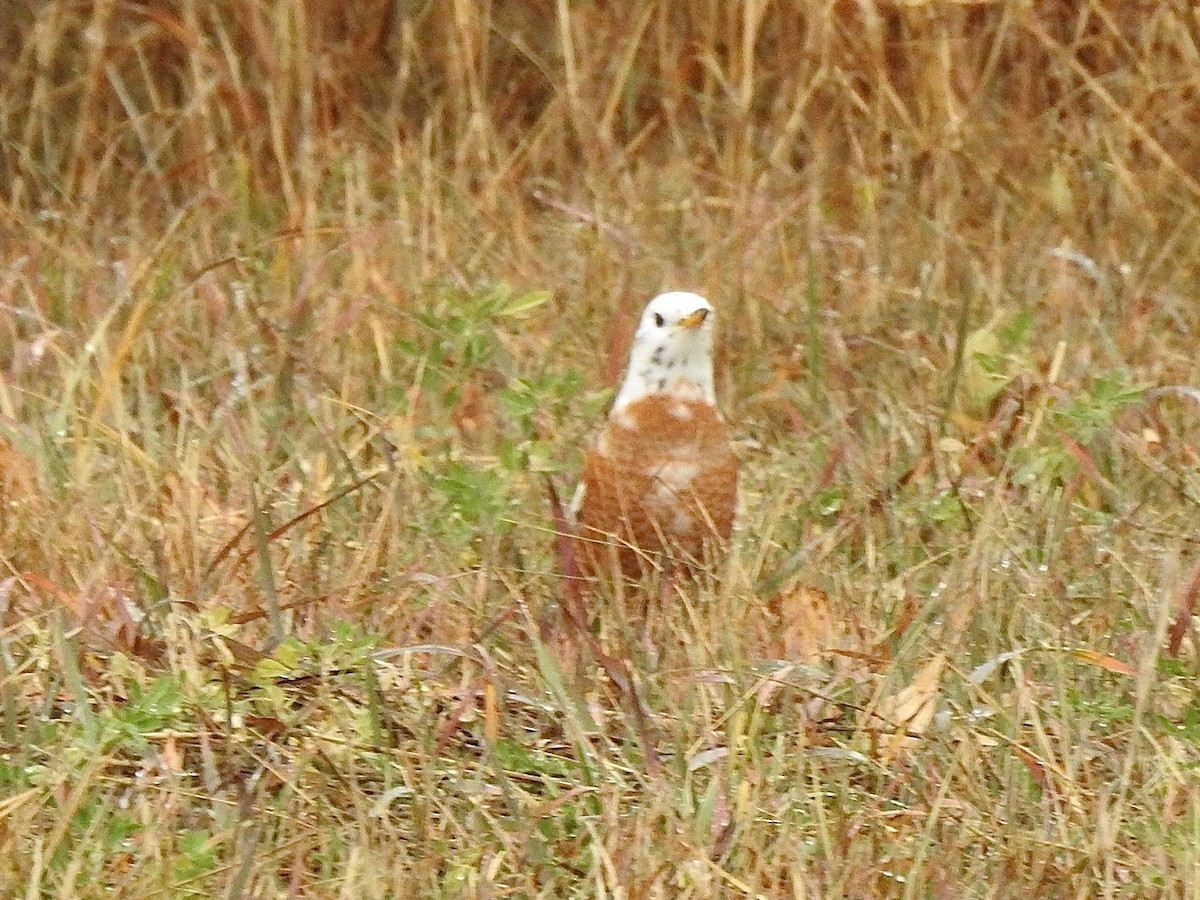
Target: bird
[658,486]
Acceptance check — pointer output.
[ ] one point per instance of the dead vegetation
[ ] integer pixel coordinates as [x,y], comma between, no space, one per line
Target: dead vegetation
[301,303]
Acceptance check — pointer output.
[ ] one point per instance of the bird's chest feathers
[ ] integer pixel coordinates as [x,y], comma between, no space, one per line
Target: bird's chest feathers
[667,431]
[656,459]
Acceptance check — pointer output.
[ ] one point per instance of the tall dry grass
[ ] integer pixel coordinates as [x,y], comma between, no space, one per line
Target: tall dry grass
[274,364]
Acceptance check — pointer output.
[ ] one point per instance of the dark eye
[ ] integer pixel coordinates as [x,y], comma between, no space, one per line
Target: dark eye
[659,320]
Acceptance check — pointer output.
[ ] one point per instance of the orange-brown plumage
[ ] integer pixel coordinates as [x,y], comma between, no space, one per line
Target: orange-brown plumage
[661,478]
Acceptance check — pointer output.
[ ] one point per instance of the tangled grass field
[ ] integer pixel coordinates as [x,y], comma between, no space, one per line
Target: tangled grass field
[306,310]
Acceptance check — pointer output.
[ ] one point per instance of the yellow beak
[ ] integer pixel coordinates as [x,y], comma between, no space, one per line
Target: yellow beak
[693,319]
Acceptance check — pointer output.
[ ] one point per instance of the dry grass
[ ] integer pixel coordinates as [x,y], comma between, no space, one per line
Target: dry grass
[279,386]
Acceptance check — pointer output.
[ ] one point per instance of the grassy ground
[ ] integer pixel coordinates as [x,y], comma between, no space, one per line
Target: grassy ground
[301,305]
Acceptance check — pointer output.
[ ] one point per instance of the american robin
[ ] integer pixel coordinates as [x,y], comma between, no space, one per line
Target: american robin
[660,482]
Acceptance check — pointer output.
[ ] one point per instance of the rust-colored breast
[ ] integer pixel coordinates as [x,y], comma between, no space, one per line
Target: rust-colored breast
[661,478]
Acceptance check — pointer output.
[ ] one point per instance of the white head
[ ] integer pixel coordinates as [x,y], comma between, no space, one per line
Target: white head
[672,351]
